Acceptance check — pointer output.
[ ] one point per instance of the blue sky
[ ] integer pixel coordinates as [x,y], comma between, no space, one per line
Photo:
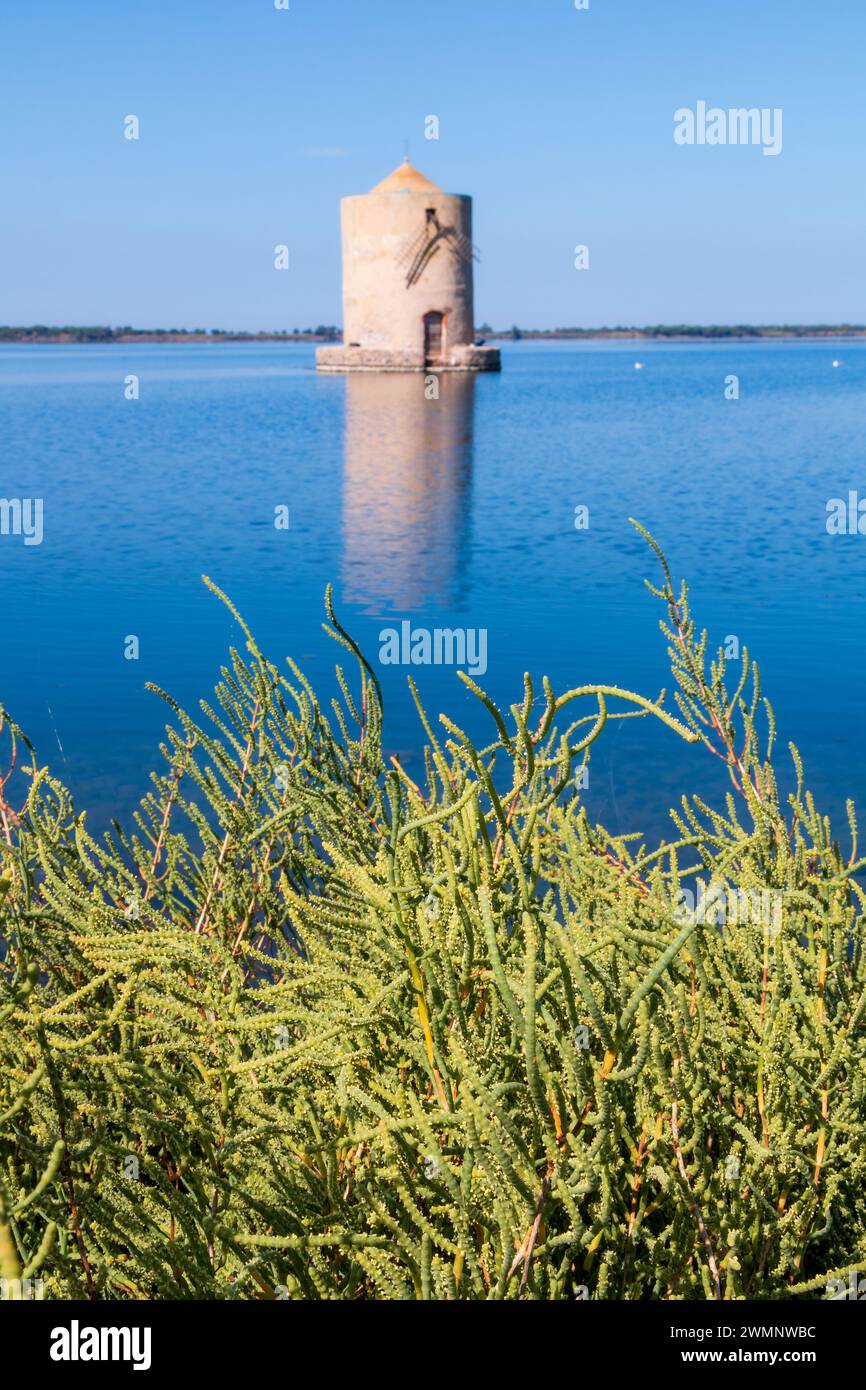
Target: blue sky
[254,122]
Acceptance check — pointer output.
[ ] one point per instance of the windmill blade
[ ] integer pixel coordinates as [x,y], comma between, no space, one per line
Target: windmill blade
[410,249]
[464,249]
[415,255]
[422,259]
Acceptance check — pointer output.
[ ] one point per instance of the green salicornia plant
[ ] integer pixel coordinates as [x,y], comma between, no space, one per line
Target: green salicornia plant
[307,1028]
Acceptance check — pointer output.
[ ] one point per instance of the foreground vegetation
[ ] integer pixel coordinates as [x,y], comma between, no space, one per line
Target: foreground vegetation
[311,1030]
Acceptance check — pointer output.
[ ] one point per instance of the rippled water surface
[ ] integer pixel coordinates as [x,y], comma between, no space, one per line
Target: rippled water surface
[458,513]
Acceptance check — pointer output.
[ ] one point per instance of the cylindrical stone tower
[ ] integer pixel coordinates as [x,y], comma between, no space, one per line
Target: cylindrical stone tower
[407,281]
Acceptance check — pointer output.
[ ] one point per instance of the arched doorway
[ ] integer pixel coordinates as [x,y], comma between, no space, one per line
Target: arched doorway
[434,338]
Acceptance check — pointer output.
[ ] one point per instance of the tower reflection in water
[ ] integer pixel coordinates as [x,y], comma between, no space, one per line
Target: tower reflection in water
[407,477]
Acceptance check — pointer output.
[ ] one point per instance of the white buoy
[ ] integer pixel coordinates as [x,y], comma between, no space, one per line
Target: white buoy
[836,362]
[638,366]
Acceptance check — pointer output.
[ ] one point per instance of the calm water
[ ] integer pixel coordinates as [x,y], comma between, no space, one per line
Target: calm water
[451,513]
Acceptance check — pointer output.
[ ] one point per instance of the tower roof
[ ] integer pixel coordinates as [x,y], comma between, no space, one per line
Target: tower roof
[406,178]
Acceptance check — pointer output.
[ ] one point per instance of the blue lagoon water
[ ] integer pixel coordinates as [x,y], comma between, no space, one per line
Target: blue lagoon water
[454,513]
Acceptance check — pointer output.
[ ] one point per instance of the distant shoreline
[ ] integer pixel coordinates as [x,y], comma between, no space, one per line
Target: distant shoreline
[72,334]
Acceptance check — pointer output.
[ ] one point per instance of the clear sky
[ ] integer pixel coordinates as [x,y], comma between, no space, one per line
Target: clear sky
[255,121]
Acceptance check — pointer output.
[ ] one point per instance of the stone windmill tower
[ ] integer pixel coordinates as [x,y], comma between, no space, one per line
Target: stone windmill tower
[408,281]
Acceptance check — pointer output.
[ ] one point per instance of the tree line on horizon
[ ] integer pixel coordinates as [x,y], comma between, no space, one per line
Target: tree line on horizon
[103,333]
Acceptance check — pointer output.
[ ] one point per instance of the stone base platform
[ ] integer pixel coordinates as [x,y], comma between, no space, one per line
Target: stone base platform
[466,358]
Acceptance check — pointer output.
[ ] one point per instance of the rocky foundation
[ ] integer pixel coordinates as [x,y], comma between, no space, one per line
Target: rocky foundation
[466,358]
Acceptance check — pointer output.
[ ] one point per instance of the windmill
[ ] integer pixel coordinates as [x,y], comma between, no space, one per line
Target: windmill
[408,280]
